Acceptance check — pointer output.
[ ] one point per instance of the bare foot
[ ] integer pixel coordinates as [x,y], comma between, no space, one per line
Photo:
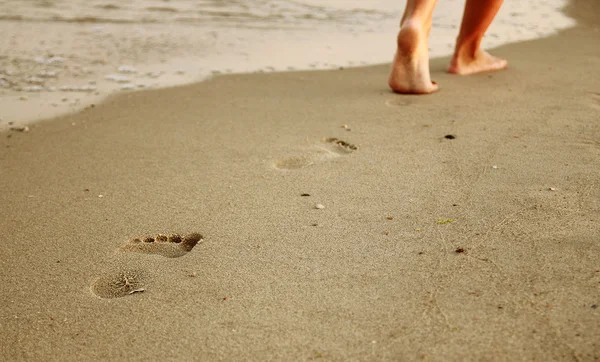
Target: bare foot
[463,64]
[410,70]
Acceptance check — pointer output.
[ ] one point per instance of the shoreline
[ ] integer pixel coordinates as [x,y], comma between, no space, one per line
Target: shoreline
[97,60]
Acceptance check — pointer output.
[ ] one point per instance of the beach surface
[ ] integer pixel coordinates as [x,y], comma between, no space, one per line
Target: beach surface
[338,221]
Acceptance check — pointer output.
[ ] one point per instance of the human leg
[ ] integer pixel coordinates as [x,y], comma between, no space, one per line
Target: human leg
[410,69]
[468,57]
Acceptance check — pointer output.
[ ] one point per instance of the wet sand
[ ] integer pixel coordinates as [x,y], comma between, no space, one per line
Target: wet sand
[479,246]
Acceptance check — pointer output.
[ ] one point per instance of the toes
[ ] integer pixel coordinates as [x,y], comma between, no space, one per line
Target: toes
[501,63]
[190,241]
[484,62]
[174,238]
[172,246]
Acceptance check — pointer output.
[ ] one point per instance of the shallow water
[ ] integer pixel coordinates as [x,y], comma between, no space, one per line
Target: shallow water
[57,56]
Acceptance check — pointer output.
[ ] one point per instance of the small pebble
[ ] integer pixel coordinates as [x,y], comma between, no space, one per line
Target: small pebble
[494,167]
[551,189]
[100,196]
[319,206]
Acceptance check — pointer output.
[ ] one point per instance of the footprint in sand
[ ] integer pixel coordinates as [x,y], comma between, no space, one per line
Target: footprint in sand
[331,148]
[399,102]
[126,281]
[119,283]
[170,246]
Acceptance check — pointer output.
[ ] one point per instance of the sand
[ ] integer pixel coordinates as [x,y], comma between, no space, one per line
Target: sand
[479,247]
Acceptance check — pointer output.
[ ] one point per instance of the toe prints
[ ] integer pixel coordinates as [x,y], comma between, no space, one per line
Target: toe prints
[332,147]
[342,146]
[170,246]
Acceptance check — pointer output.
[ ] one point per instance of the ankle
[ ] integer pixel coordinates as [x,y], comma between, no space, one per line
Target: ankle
[416,24]
[411,37]
[467,48]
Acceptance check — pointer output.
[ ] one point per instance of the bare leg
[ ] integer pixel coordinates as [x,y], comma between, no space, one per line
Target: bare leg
[468,57]
[410,70]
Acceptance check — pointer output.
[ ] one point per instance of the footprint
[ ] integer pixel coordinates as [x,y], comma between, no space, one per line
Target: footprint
[123,281]
[342,146]
[171,246]
[118,284]
[398,102]
[294,163]
[331,148]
